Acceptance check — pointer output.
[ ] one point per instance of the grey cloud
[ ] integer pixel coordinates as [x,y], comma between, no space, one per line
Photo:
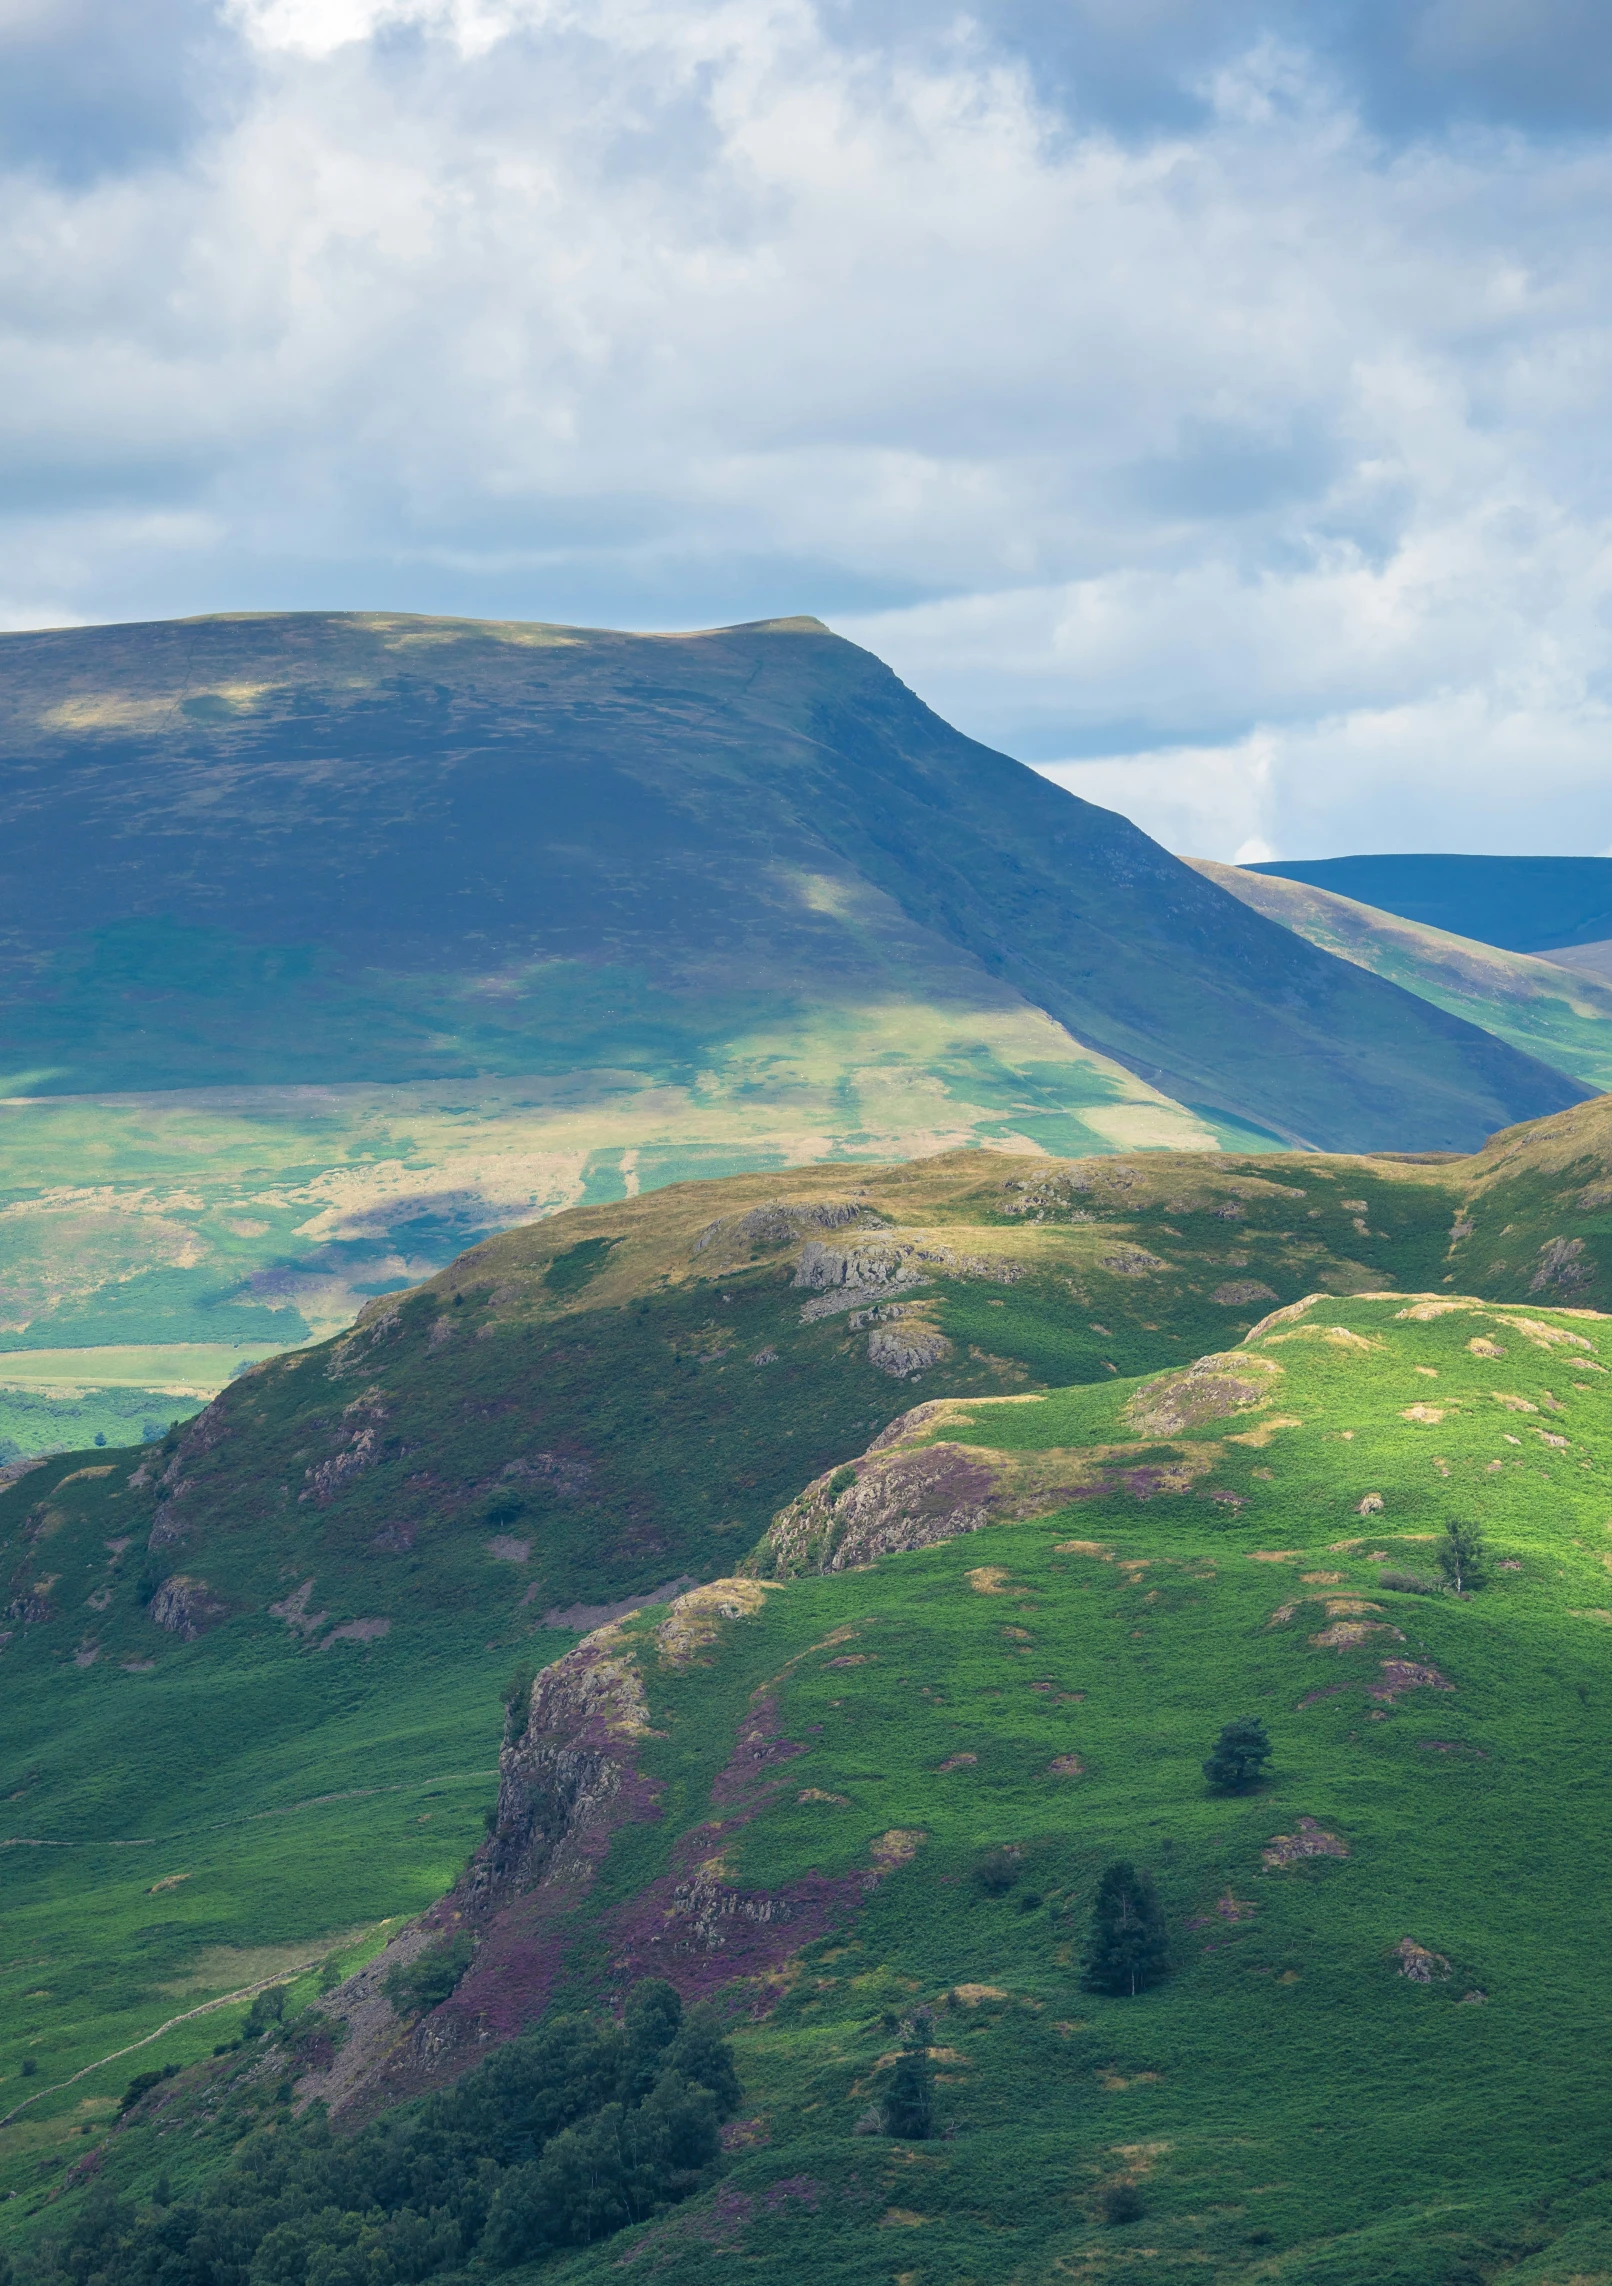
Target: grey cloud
[95,87]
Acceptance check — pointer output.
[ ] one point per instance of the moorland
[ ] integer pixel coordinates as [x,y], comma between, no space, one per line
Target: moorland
[799,1591]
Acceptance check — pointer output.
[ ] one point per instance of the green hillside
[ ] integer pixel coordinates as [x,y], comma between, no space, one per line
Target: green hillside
[1562,1016]
[891,1789]
[331,942]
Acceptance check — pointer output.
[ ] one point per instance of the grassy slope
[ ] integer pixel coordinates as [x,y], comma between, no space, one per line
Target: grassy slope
[642,1375]
[102,1757]
[1289,2104]
[1556,1014]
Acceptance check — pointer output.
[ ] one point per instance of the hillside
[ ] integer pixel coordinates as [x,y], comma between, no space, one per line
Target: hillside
[1556,1013]
[1522,904]
[296,1616]
[331,942]
[842,1792]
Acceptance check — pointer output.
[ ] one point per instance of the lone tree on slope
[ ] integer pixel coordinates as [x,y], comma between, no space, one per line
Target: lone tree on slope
[1128,1949]
[1239,1757]
[909,2101]
[1460,1556]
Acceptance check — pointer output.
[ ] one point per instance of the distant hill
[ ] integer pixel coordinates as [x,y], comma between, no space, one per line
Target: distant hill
[348,847]
[1524,904]
[332,942]
[1561,1014]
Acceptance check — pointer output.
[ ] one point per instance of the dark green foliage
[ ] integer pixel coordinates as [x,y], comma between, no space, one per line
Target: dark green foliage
[1461,1556]
[30,2065]
[1408,1583]
[517,1703]
[1128,1949]
[908,2108]
[578,1265]
[425,1983]
[997,1871]
[1237,1760]
[141,2085]
[1121,2203]
[557,2140]
[268,2007]
[841,1481]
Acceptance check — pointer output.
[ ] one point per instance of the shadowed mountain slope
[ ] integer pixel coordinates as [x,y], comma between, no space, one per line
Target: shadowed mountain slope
[352,846]
[1559,1014]
[1524,904]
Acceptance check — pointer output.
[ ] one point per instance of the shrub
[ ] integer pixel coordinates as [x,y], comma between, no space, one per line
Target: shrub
[1409,1583]
[1237,1760]
[1128,1949]
[30,2065]
[996,1872]
[841,1481]
[423,1984]
[1121,2203]
[268,2007]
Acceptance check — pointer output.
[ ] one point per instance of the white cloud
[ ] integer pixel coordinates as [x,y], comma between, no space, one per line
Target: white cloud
[1248,473]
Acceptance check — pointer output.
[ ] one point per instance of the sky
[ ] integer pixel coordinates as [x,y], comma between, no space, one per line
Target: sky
[1203,400]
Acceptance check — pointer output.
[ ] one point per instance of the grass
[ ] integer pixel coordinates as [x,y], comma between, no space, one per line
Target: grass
[1288,2099]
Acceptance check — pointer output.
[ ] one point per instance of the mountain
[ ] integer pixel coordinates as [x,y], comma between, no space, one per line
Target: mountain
[860,1791]
[1523,904]
[1556,1013]
[331,942]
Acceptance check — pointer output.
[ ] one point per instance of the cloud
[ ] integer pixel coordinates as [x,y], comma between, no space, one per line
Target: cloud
[1204,401]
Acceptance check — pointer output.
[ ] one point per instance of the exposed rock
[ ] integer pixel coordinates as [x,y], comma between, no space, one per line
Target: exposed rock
[906,1497]
[394,1539]
[1561,1264]
[358,1631]
[1372,1505]
[1133,1262]
[186,1607]
[587,1616]
[504,1548]
[1400,1675]
[780,1223]
[359,1449]
[1209,1390]
[900,1352]
[1420,1965]
[1308,1840]
[1237,1290]
[294,1611]
[695,1619]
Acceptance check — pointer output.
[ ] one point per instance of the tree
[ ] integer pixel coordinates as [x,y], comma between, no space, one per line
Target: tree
[908,2108]
[1128,1949]
[1240,1754]
[1461,1556]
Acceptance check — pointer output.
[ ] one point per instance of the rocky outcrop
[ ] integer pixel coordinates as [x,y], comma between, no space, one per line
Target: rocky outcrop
[781,1222]
[358,1447]
[902,1350]
[1209,1390]
[186,1607]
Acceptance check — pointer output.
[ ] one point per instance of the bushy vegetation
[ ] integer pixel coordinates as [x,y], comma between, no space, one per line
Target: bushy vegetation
[556,2140]
[1129,1947]
[1238,1757]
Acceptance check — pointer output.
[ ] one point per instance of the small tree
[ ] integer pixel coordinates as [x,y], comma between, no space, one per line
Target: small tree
[909,2101]
[1460,1556]
[1239,1757]
[1128,1949]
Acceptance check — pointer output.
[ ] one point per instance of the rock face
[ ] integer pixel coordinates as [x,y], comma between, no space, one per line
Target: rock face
[1206,1391]
[780,1223]
[186,1607]
[896,1501]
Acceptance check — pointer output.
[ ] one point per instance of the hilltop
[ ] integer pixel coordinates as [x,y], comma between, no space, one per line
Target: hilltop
[330,942]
